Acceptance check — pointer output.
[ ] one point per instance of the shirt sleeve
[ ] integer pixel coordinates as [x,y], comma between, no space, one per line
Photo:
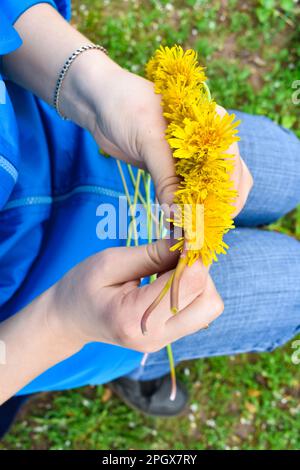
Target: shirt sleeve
[9,38]
[12,9]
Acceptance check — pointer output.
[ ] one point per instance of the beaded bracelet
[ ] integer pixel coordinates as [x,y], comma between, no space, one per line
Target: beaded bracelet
[65,70]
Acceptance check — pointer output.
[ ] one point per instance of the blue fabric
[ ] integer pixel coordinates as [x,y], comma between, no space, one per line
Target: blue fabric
[52,180]
[9,136]
[9,38]
[12,9]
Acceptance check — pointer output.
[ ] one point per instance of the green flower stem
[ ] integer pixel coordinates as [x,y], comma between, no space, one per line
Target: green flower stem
[133,180]
[155,302]
[140,196]
[207,90]
[175,284]
[172,372]
[147,182]
[133,206]
[129,203]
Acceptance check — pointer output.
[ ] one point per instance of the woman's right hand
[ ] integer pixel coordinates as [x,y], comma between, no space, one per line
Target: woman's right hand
[99,299]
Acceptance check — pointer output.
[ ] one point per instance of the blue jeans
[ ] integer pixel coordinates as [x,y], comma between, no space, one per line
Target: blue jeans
[259,278]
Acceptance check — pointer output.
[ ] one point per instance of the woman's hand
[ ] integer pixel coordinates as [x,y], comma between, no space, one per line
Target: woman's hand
[129,125]
[99,300]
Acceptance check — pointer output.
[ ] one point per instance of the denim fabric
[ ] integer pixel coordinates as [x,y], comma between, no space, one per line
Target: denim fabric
[259,278]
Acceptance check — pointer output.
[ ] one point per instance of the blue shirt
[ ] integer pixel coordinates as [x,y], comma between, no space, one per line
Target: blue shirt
[52,180]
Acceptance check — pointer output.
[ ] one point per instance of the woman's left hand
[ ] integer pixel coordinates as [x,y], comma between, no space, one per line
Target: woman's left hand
[129,125]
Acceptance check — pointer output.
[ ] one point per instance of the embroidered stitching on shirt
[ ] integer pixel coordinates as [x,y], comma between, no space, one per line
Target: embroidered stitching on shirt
[9,168]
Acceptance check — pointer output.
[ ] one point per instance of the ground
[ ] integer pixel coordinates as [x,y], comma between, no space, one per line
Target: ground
[251,50]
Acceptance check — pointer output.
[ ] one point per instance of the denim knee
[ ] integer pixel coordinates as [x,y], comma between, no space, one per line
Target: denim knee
[272,154]
[259,283]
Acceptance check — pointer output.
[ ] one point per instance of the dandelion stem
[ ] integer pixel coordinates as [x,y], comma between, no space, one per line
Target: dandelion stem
[140,196]
[133,180]
[133,206]
[205,86]
[175,284]
[147,183]
[172,373]
[154,304]
[129,203]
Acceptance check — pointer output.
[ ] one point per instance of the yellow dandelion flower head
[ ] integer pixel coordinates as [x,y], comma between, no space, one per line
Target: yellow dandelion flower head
[204,226]
[178,99]
[217,222]
[208,132]
[173,61]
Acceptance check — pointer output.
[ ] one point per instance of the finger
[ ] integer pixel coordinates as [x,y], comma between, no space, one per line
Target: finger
[233,150]
[158,157]
[123,264]
[244,187]
[164,177]
[192,284]
[241,175]
[199,314]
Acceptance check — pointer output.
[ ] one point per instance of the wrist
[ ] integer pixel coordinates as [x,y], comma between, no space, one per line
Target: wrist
[56,322]
[87,80]
[34,341]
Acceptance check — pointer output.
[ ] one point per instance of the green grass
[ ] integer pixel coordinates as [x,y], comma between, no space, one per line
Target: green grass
[252,52]
[241,402]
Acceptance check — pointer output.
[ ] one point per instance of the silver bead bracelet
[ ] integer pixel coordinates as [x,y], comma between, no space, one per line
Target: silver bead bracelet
[65,70]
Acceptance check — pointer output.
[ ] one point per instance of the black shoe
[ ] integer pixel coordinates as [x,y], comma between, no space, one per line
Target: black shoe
[9,411]
[151,397]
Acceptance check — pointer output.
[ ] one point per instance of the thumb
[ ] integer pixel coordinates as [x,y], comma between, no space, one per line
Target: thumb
[130,263]
[159,161]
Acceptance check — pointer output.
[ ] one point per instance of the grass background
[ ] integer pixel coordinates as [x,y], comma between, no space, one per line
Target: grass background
[252,51]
